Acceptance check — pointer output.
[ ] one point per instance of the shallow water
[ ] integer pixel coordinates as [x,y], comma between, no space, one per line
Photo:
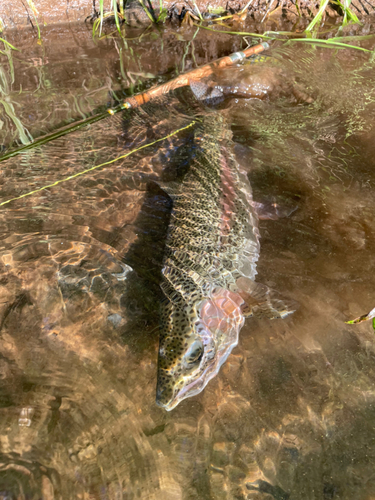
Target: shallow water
[291,413]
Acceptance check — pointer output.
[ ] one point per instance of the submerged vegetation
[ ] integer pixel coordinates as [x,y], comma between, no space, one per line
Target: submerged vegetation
[6,82]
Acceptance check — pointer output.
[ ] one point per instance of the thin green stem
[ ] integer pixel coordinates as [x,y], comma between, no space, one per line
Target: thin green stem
[115,13]
[101,16]
[64,131]
[328,44]
[7,43]
[198,11]
[35,14]
[148,13]
[241,33]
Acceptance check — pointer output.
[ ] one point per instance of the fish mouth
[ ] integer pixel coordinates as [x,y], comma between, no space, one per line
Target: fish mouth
[196,385]
[192,389]
[168,406]
[218,327]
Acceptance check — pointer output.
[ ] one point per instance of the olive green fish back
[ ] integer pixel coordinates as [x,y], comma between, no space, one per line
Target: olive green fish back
[213,237]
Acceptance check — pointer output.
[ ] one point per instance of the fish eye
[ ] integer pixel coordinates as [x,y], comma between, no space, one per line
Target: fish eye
[194,352]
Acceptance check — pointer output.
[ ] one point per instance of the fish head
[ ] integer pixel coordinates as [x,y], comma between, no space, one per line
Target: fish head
[196,339]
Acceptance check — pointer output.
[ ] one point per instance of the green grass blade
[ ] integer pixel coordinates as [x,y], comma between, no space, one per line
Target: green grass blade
[198,11]
[349,15]
[240,33]
[364,317]
[163,14]
[95,27]
[54,135]
[101,16]
[351,37]
[115,13]
[148,13]
[35,14]
[328,44]
[8,44]
[96,167]
[246,7]
[24,134]
[319,15]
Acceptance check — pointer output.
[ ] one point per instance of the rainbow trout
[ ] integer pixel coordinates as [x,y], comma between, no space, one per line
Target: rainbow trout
[209,267]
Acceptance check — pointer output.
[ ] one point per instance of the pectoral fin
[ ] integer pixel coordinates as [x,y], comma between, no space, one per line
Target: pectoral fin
[263,302]
[272,211]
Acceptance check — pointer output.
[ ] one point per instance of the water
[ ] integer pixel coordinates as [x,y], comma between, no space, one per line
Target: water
[291,413]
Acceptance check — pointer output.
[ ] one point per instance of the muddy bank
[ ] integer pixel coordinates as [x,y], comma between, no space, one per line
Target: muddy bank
[20,14]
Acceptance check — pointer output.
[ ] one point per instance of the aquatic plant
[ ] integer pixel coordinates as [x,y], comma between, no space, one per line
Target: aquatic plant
[117,12]
[364,317]
[336,42]
[6,45]
[6,82]
[349,15]
[35,15]
[333,43]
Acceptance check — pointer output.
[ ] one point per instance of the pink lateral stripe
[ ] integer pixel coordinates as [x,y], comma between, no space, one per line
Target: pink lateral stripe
[228,195]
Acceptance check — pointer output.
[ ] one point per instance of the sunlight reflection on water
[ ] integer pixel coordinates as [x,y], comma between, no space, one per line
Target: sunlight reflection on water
[291,413]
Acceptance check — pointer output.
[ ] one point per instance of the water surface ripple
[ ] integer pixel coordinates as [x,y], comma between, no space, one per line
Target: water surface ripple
[290,415]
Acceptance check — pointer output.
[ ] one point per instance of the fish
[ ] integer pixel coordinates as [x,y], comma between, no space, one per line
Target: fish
[263,80]
[209,266]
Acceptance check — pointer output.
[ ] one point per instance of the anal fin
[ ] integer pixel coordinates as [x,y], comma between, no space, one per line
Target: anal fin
[263,302]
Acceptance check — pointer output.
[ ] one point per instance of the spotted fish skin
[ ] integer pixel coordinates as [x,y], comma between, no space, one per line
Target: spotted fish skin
[212,241]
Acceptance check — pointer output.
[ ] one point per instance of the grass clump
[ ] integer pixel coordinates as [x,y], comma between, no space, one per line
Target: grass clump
[218,20]
[349,15]
[217,15]
[117,12]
